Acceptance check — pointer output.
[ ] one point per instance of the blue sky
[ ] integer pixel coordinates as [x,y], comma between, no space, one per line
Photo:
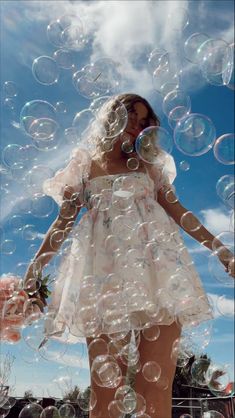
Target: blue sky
[127,32]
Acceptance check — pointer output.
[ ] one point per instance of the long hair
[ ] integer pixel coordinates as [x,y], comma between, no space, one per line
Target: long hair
[105,115]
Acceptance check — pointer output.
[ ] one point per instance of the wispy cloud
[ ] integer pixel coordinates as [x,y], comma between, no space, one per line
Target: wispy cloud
[216,220]
[222,306]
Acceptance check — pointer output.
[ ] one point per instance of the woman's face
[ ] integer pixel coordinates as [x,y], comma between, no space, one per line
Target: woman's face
[137,120]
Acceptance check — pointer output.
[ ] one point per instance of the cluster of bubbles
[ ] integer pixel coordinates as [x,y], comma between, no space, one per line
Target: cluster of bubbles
[193,134]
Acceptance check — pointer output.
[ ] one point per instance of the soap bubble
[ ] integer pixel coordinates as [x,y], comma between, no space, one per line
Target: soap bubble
[45,70]
[111,115]
[176,104]
[64,58]
[10,89]
[132,163]
[224,240]
[228,74]
[225,189]
[225,307]
[42,206]
[12,157]
[155,58]
[184,165]
[224,149]
[151,371]
[67,32]
[35,178]
[50,412]
[194,134]
[178,19]
[60,107]
[150,141]
[8,247]
[106,372]
[87,399]
[97,347]
[82,123]
[39,120]
[212,414]
[126,398]
[114,410]
[31,410]
[152,333]
[189,222]
[217,270]
[192,44]
[66,411]
[215,60]
[218,377]
[199,371]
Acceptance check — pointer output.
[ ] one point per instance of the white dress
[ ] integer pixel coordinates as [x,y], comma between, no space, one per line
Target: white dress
[127,266]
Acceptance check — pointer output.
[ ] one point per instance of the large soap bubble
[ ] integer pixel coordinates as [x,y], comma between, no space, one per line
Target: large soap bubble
[192,44]
[224,149]
[215,57]
[225,189]
[228,74]
[150,143]
[38,118]
[111,115]
[194,134]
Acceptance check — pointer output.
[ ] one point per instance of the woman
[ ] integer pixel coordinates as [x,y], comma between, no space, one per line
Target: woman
[127,268]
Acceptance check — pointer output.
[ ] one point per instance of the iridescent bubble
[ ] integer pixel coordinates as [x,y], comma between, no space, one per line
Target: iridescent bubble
[12,157]
[111,115]
[176,105]
[87,399]
[225,307]
[184,165]
[228,75]
[132,163]
[224,149]
[189,222]
[29,232]
[8,247]
[10,89]
[198,371]
[212,414]
[127,399]
[218,377]
[97,347]
[45,70]
[154,59]
[150,143]
[38,118]
[16,223]
[114,411]
[178,19]
[67,31]
[215,57]
[217,270]
[152,333]
[106,372]
[192,44]
[36,176]
[64,58]
[42,206]
[223,240]
[151,371]
[50,412]
[31,410]
[225,189]
[82,123]
[60,107]
[194,134]
[67,411]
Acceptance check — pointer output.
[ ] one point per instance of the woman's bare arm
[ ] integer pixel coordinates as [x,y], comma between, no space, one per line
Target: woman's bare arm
[69,211]
[188,221]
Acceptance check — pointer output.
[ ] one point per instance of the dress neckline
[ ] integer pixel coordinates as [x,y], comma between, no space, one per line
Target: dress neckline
[118,174]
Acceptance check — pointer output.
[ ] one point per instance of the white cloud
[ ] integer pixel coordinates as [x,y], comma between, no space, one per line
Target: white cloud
[216,220]
[222,306]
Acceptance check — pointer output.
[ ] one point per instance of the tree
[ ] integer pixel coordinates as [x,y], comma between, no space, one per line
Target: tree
[72,394]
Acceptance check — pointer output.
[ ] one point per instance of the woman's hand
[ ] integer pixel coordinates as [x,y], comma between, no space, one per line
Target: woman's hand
[226,257]
[16,308]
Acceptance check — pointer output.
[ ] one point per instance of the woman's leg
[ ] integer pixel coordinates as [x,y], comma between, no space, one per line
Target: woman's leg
[104,395]
[158,395]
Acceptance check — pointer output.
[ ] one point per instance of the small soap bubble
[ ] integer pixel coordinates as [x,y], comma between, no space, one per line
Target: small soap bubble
[184,165]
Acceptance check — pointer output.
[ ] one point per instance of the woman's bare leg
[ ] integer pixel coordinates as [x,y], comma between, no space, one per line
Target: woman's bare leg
[104,395]
[158,395]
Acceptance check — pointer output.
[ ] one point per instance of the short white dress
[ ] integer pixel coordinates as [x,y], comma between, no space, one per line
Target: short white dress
[126,266]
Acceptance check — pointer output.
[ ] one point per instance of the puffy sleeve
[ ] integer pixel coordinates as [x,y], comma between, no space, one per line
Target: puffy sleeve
[72,175]
[163,173]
